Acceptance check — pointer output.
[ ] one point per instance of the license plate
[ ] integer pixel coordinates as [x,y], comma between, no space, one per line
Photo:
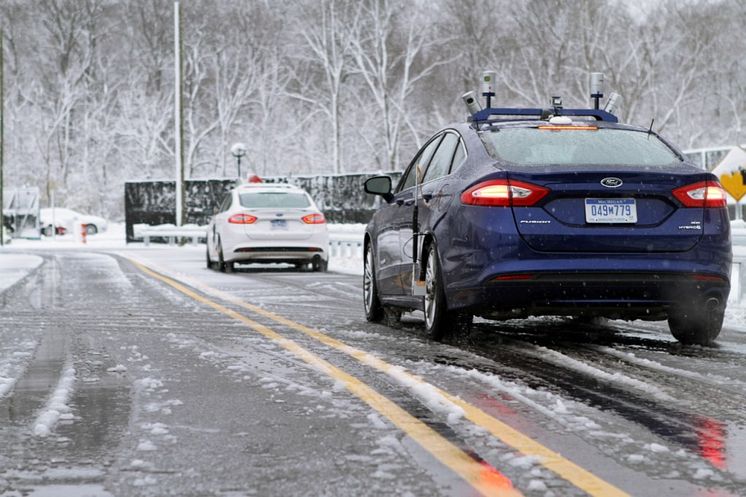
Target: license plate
[610,210]
[279,224]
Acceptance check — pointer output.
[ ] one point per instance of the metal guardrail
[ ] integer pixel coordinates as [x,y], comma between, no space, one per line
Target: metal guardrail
[170,232]
[346,244]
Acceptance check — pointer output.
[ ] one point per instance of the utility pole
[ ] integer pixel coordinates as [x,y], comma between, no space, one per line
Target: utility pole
[2,137]
[178,120]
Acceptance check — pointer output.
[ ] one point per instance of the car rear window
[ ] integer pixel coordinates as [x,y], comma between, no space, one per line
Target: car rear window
[541,147]
[274,200]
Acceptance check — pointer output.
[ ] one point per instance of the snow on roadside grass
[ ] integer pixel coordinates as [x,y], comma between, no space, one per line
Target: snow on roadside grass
[735,317]
[15,267]
[56,407]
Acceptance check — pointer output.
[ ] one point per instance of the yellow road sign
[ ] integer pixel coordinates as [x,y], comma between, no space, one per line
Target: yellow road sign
[733,184]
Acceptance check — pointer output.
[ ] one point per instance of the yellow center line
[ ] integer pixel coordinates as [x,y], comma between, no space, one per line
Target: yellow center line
[581,478]
[578,476]
[481,476]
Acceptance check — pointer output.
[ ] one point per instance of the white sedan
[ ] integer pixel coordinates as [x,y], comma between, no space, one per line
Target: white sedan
[62,221]
[267,223]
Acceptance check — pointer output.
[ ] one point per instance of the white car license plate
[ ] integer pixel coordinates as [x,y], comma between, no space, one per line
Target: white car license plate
[279,224]
[610,210]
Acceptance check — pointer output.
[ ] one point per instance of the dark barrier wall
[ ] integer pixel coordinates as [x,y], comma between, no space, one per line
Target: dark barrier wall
[341,198]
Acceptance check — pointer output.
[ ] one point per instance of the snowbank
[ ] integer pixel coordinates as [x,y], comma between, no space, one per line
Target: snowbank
[14,267]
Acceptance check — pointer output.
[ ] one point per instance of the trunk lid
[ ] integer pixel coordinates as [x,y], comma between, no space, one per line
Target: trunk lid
[609,209]
[279,224]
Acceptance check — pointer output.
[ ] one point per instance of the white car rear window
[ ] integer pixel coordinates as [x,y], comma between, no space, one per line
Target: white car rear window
[274,200]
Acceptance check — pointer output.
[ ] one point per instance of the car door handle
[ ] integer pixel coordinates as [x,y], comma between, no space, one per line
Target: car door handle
[399,201]
[409,202]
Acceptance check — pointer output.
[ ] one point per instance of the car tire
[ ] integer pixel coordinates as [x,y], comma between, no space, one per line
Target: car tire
[439,321]
[210,264]
[91,229]
[373,308]
[698,324]
[320,265]
[223,265]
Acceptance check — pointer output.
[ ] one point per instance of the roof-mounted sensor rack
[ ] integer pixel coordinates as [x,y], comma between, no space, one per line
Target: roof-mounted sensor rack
[489,115]
[478,115]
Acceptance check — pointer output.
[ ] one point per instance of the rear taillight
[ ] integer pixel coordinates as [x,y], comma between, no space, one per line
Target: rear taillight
[313,219]
[504,193]
[702,194]
[242,219]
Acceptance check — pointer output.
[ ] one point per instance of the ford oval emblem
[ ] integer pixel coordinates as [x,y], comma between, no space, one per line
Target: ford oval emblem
[612,182]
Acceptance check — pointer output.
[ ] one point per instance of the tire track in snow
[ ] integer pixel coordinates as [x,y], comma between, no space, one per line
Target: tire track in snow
[711,379]
[565,361]
[57,406]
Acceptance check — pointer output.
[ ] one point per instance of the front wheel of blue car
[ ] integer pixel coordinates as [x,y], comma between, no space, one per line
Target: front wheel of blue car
[439,321]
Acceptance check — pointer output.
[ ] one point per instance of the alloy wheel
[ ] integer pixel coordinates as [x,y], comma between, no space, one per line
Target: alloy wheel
[430,289]
[368,280]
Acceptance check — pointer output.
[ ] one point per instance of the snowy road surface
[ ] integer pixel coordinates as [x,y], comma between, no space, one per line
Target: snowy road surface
[160,377]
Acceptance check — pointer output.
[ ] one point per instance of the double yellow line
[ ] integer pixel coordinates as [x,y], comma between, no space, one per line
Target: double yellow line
[487,480]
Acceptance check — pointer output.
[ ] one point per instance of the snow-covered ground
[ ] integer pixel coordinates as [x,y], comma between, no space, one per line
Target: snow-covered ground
[14,267]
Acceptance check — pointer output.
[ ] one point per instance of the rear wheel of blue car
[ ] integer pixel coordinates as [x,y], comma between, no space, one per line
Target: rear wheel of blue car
[373,307]
[698,324]
[439,321]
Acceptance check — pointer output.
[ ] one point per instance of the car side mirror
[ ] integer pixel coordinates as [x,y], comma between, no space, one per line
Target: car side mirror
[379,185]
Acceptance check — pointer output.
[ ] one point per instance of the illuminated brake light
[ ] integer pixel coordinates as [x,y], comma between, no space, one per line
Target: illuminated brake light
[313,219]
[242,219]
[703,194]
[504,193]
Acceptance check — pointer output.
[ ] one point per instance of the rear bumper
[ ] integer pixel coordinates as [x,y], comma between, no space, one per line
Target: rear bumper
[574,281]
[648,295]
[278,254]
[239,247]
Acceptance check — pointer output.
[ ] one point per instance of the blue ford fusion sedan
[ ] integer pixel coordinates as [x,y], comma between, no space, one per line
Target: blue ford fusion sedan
[572,215]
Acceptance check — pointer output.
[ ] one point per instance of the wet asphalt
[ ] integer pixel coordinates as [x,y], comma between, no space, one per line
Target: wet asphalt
[171,397]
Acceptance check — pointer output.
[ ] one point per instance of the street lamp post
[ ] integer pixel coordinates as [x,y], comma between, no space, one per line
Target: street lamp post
[238,150]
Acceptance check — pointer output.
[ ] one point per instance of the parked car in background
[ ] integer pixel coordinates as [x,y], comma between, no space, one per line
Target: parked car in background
[60,221]
[267,223]
[508,217]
